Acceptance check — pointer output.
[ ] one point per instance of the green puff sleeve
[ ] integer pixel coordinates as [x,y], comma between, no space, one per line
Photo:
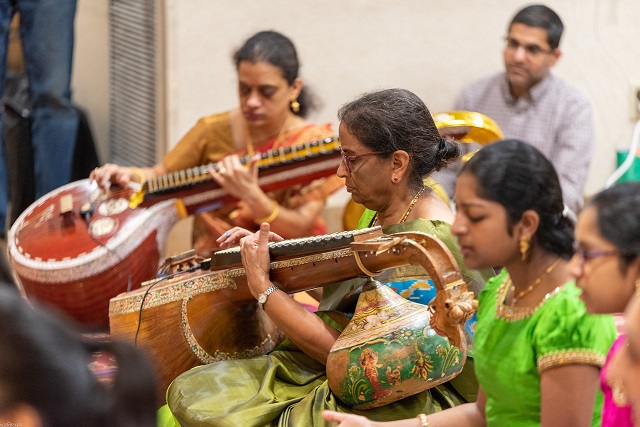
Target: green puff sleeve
[566,334]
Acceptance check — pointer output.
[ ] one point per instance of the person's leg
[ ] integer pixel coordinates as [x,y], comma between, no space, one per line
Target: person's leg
[47,31]
[6,13]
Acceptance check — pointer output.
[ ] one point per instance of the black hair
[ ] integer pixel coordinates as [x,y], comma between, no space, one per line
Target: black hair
[44,363]
[519,177]
[618,212]
[541,16]
[397,119]
[276,49]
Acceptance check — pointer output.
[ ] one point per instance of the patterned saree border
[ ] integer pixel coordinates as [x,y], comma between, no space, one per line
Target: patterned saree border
[581,356]
[204,357]
[132,303]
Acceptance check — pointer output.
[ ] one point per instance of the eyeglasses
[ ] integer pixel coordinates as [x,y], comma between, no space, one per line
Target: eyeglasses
[586,255]
[347,159]
[531,50]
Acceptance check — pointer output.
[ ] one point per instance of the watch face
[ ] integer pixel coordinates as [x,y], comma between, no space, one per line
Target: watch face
[262,298]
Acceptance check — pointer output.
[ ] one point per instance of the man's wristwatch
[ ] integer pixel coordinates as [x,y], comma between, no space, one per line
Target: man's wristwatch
[262,297]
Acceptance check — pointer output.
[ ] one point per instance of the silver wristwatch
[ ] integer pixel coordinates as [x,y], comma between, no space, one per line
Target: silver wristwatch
[262,297]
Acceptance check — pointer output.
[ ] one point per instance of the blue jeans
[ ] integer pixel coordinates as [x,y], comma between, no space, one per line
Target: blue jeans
[47,35]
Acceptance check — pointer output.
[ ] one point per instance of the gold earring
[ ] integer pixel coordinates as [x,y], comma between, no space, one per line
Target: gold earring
[295,105]
[524,248]
[638,287]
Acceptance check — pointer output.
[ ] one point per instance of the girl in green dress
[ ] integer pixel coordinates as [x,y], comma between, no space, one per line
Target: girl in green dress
[537,351]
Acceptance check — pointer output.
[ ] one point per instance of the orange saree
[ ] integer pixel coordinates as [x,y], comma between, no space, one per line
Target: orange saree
[209,141]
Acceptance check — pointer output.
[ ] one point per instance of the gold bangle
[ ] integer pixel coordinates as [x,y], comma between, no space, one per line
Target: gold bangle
[274,213]
[139,173]
[423,420]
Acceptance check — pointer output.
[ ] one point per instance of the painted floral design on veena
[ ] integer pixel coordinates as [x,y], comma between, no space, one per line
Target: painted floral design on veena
[401,356]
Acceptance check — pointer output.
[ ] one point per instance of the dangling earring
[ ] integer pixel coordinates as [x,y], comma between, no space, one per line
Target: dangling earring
[295,105]
[638,287]
[524,248]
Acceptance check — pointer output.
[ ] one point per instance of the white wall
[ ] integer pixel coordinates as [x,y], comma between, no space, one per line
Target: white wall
[347,47]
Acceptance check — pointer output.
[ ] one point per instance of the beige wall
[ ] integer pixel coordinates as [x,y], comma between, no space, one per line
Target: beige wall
[351,46]
[91,68]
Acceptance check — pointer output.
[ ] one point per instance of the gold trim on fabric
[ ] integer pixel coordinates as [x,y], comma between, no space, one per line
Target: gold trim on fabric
[310,259]
[513,314]
[581,356]
[201,354]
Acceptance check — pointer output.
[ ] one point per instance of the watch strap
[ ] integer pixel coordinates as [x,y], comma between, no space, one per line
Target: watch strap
[271,289]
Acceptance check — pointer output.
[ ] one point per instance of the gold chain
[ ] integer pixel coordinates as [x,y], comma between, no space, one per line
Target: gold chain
[411,205]
[539,280]
[407,212]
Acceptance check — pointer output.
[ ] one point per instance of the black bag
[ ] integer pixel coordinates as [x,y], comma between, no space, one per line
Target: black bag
[19,151]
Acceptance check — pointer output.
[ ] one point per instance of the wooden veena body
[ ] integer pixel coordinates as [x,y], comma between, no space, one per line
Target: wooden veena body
[211,316]
[76,247]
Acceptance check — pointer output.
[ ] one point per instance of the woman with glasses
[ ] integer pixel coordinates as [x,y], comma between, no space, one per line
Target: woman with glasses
[606,265]
[537,351]
[390,145]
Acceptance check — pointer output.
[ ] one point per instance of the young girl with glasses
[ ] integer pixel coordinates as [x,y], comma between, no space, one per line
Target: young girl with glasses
[606,265]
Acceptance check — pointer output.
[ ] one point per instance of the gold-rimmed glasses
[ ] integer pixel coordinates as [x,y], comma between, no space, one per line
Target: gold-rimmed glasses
[347,158]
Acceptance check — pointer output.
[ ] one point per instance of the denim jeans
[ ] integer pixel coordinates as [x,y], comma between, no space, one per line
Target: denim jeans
[47,35]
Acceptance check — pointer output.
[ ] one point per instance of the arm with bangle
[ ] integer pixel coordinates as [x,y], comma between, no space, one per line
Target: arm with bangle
[138,174]
[304,328]
[122,175]
[142,175]
[468,414]
[241,181]
[275,210]
[287,222]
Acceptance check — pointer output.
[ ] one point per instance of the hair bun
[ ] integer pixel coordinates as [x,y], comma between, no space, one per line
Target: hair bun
[448,150]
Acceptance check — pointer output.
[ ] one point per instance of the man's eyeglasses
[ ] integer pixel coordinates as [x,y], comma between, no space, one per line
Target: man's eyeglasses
[531,49]
[347,159]
[586,255]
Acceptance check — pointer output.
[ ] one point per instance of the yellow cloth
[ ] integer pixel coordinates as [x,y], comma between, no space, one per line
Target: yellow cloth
[210,140]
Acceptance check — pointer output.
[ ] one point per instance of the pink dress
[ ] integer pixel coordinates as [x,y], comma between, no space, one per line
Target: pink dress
[612,414]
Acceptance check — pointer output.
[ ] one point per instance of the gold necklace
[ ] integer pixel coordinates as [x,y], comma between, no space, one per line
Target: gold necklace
[531,287]
[276,144]
[513,314]
[407,212]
